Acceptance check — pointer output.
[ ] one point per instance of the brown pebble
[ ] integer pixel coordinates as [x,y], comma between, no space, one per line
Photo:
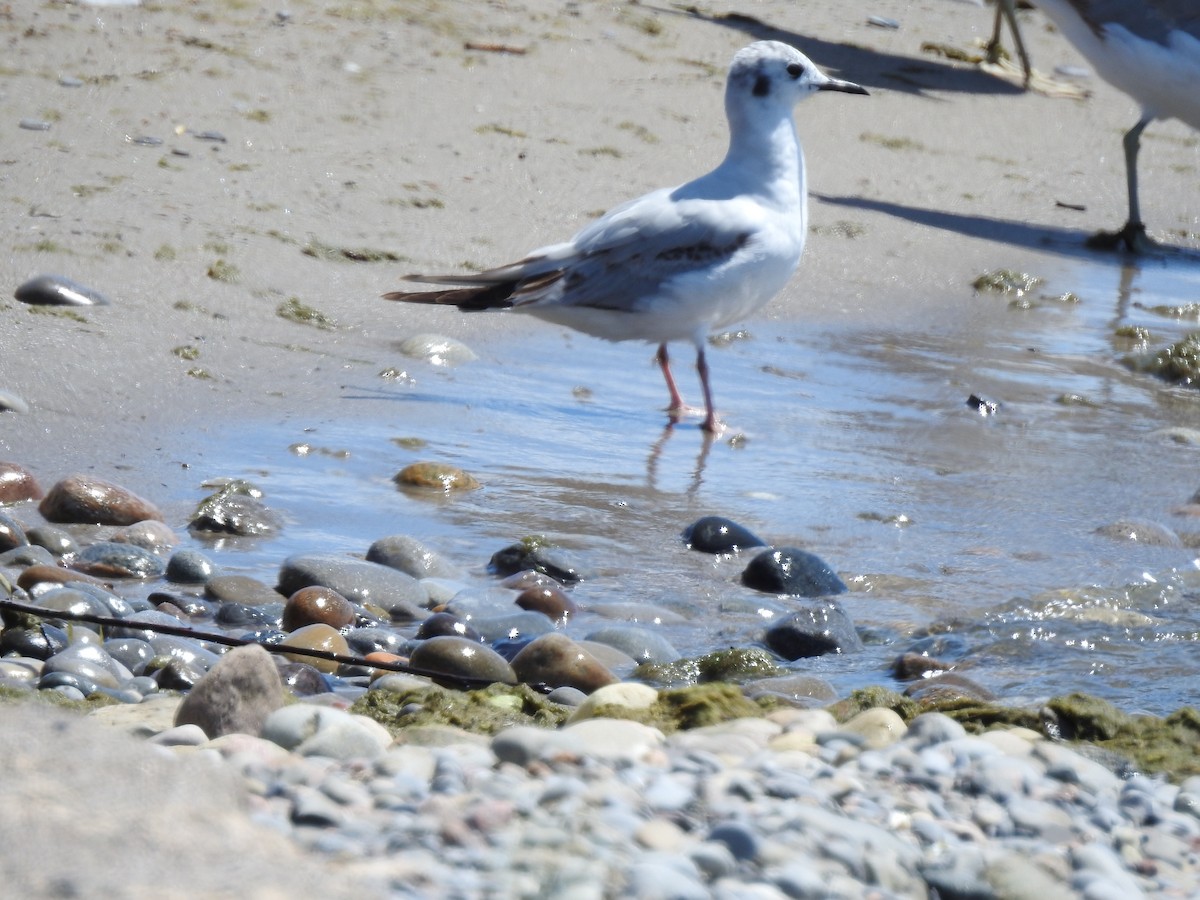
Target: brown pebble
[441,476]
[17,484]
[550,601]
[86,500]
[317,605]
[557,661]
[908,666]
[317,637]
[35,575]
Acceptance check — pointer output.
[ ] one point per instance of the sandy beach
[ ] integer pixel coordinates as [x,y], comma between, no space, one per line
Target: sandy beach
[283,139]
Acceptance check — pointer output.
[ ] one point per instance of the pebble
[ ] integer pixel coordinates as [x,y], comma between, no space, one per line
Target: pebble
[234,509]
[317,606]
[549,561]
[109,559]
[792,571]
[819,628]
[12,535]
[357,580]
[10,402]
[460,659]
[437,349]
[643,644]
[189,567]
[55,290]
[17,484]
[83,499]
[318,636]
[236,696]
[437,476]
[716,534]
[557,661]
[410,556]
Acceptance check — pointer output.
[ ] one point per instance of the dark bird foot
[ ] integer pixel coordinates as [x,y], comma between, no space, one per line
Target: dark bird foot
[1130,239]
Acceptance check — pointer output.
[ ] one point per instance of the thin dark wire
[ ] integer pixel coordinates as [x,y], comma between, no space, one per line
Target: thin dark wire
[185,631]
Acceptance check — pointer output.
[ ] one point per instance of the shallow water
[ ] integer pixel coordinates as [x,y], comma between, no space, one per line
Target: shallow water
[853,441]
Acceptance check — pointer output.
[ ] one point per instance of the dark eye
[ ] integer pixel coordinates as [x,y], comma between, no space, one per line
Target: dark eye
[795,70]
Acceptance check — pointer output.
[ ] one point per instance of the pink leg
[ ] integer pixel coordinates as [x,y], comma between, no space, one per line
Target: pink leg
[677,407]
[710,423]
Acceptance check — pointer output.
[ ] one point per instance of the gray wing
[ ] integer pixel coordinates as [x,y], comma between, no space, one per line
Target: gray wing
[624,258]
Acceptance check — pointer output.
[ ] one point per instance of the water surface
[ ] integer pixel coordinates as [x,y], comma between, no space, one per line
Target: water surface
[853,440]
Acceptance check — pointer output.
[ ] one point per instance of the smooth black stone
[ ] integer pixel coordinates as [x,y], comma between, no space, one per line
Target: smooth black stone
[445,623]
[820,627]
[547,560]
[716,534]
[41,642]
[789,570]
[55,290]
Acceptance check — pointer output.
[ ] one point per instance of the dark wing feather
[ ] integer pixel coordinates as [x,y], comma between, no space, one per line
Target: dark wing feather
[492,296]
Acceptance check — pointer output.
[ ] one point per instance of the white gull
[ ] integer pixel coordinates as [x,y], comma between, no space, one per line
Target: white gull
[678,263]
[1151,51]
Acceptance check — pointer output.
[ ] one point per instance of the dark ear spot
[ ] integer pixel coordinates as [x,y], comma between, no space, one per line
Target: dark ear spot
[762,86]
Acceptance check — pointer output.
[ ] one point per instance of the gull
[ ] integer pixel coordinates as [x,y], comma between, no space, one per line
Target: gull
[1151,51]
[682,262]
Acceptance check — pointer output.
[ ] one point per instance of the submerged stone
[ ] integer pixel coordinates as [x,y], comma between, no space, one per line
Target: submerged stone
[716,534]
[789,570]
[818,628]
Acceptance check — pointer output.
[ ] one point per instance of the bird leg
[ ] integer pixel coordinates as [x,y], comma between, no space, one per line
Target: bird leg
[677,407]
[710,423]
[1007,9]
[1133,236]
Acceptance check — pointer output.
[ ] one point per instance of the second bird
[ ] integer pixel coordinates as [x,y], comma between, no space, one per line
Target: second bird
[678,263]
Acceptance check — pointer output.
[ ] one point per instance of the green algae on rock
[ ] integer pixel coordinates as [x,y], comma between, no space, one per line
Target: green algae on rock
[484,711]
[1179,363]
[1006,281]
[737,664]
[435,475]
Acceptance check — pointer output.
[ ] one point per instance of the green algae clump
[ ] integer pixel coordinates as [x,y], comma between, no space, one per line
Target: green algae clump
[737,664]
[485,711]
[1179,363]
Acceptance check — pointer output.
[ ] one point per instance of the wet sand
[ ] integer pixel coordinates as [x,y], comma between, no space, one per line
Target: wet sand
[361,127]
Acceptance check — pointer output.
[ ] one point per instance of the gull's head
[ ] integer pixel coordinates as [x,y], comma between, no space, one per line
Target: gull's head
[771,74]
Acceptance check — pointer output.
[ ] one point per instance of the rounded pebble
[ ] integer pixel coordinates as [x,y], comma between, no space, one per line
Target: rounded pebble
[56,290]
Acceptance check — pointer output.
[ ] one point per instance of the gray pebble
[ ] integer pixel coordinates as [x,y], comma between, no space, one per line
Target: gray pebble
[643,644]
[410,556]
[10,402]
[57,290]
